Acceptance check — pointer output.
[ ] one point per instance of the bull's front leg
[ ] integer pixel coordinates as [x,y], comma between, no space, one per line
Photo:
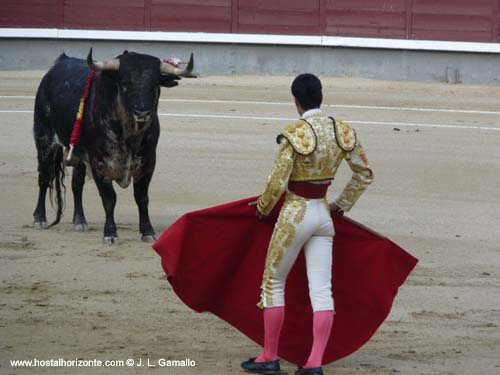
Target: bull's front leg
[141,196]
[108,197]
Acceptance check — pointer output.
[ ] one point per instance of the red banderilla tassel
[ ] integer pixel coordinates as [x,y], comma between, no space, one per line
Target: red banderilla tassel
[75,134]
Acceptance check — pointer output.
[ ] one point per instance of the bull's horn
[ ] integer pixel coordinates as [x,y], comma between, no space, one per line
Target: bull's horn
[169,69]
[113,64]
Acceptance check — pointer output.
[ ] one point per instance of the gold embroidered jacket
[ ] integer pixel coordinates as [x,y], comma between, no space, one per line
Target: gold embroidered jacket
[312,150]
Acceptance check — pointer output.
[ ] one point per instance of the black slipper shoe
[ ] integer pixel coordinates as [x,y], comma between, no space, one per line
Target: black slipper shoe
[309,371]
[266,368]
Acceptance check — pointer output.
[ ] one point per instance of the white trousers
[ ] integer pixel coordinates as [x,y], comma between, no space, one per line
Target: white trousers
[302,223]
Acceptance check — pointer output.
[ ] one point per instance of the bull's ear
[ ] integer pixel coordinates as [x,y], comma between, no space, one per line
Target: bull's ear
[169,80]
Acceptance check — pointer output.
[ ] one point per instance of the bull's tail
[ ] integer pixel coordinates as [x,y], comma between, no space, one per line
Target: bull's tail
[58,178]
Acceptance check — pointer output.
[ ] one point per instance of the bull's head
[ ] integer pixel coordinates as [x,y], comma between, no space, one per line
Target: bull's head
[139,80]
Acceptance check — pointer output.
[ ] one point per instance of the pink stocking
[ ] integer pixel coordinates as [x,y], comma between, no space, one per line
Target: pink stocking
[273,321]
[322,326]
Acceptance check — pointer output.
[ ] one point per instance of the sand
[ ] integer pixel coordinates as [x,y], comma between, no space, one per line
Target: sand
[64,294]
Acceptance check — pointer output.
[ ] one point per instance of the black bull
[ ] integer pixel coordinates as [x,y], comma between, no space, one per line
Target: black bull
[119,133]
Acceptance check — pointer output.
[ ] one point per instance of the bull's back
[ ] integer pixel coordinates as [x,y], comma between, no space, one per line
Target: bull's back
[59,95]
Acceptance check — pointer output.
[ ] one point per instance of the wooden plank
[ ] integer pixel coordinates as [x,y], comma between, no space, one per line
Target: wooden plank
[379,5]
[454,36]
[47,3]
[453,20]
[443,22]
[381,18]
[147,15]
[104,17]
[371,19]
[117,4]
[191,18]
[365,32]
[29,14]
[456,7]
[280,4]
[279,17]
[258,17]
[212,3]
[322,17]
[452,27]
[278,30]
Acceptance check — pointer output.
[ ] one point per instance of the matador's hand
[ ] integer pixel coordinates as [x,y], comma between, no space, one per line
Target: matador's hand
[334,209]
[257,212]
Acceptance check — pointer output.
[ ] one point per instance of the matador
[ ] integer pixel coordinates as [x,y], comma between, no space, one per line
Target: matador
[310,152]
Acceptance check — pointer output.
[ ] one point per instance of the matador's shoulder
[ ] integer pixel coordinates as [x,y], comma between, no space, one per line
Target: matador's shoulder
[345,135]
[301,137]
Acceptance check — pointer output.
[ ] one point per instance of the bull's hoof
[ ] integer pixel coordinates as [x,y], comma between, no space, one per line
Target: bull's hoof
[40,225]
[82,227]
[149,238]
[110,240]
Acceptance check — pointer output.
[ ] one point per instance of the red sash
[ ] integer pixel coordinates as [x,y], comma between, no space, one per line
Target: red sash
[309,190]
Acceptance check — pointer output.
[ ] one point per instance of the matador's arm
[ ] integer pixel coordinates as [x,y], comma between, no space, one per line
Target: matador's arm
[278,180]
[361,178]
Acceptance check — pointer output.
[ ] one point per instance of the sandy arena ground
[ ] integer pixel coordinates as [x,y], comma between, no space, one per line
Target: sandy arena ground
[64,294]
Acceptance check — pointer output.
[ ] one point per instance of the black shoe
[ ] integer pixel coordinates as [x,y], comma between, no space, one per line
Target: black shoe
[267,368]
[309,371]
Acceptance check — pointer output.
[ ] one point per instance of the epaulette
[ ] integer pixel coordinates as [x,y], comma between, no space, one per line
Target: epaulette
[344,135]
[301,136]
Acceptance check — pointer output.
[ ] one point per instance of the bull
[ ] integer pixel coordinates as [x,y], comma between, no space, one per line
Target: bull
[118,138]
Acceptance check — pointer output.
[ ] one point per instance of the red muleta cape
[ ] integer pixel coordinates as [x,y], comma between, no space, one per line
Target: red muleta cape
[214,259]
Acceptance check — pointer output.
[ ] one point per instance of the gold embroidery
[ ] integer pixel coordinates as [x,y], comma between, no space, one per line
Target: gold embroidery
[298,205]
[283,235]
[346,137]
[290,218]
[301,136]
[278,180]
[299,217]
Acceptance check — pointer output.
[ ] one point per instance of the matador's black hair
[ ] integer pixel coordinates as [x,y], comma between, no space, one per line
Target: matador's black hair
[307,89]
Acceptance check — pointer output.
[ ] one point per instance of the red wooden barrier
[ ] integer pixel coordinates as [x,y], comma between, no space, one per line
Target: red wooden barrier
[463,20]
